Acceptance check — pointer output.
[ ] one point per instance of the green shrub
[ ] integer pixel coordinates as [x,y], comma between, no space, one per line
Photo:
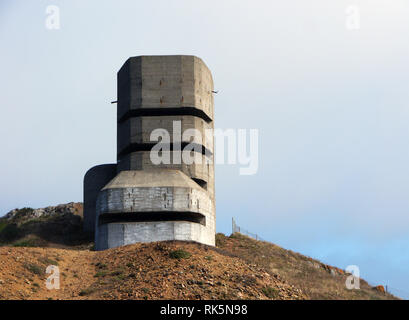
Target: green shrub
[100,274]
[220,239]
[270,292]
[86,292]
[100,265]
[10,232]
[49,261]
[179,254]
[23,212]
[117,273]
[120,277]
[25,243]
[34,269]
[3,224]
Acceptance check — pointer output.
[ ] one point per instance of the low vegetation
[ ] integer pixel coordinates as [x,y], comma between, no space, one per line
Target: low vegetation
[316,279]
[270,292]
[61,227]
[36,269]
[179,254]
[86,292]
[237,268]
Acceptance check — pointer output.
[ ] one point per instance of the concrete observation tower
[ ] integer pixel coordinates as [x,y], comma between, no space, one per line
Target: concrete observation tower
[138,199]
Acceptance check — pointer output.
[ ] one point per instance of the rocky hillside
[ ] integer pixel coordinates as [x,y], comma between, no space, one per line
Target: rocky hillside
[314,278]
[237,268]
[55,226]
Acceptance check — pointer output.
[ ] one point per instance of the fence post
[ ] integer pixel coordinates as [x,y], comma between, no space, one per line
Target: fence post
[236,228]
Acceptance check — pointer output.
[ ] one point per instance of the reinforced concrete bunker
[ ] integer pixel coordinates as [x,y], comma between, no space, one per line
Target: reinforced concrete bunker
[142,198]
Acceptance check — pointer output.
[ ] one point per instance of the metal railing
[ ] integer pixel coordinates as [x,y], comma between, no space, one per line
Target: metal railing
[236,228]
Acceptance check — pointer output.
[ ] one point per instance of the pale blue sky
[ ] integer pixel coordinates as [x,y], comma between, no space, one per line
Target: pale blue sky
[331,105]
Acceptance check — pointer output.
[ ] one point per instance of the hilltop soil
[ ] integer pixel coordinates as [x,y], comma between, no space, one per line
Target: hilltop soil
[237,268]
[168,270]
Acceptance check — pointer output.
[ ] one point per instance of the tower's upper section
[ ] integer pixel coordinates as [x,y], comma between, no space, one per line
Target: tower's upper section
[169,85]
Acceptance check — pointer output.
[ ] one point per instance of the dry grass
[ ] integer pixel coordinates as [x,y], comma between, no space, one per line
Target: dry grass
[315,279]
[238,268]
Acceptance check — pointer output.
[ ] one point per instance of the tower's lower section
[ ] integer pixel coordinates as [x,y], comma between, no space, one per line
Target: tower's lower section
[153,205]
[112,235]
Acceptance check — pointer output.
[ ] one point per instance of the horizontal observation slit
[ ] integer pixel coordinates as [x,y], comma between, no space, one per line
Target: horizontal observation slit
[134,147]
[157,112]
[152,216]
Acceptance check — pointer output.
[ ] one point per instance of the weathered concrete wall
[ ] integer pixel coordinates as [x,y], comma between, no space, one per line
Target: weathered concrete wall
[165,82]
[113,235]
[177,197]
[158,191]
[94,180]
[141,160]
[137,130]
[134,199]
